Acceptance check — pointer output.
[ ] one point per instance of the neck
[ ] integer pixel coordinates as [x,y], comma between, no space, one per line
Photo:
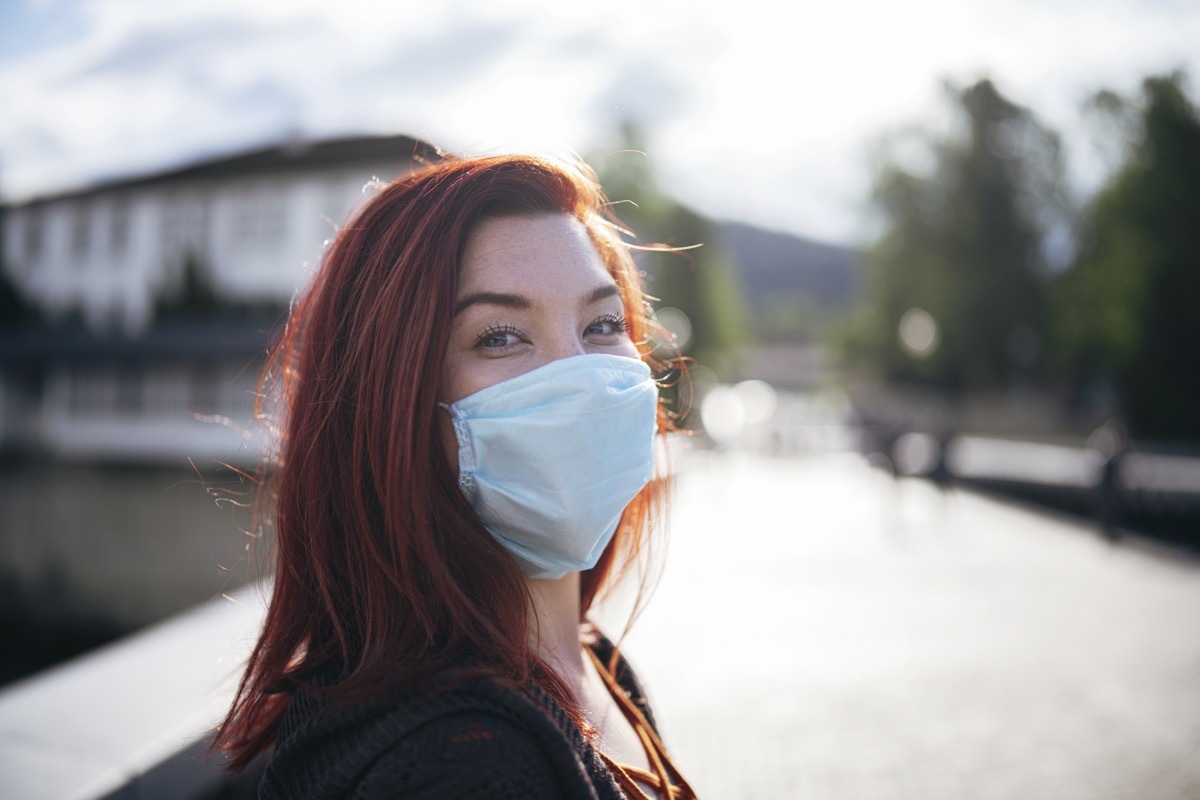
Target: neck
[555,634]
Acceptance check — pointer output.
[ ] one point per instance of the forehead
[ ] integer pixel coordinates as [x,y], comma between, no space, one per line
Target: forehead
[545,252]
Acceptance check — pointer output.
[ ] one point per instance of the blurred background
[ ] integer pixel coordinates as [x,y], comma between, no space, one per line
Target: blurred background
[942,335]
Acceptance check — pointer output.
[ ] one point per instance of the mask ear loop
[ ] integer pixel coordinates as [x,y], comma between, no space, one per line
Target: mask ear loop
[466,453]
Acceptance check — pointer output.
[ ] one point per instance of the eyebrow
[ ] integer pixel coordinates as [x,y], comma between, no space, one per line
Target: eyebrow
[522,303]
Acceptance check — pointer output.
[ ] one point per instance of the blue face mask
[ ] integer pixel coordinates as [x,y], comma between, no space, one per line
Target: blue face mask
[549,459]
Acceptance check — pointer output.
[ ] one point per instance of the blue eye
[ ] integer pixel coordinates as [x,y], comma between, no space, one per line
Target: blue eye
[497,337]
[609,325]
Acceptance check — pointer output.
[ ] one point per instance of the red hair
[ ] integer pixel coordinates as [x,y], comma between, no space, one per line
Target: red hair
[383,573]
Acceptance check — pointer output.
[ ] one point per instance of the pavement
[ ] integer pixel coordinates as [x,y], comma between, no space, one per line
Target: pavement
[821,630]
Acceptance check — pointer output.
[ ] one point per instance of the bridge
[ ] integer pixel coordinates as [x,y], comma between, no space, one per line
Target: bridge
[821,629]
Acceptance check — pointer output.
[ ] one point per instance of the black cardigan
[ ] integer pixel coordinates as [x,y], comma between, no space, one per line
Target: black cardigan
[481,739]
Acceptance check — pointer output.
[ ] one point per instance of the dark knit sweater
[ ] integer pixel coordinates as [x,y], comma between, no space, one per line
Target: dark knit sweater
[481,739]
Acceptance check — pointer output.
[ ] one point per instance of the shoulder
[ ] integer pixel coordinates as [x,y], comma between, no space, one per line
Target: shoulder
[470,753]
[480,740]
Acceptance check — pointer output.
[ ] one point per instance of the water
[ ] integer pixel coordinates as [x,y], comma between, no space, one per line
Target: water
[92,551]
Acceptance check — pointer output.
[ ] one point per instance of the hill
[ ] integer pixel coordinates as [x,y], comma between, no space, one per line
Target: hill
[773,265]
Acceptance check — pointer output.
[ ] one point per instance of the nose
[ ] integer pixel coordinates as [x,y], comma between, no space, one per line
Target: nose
[564,344]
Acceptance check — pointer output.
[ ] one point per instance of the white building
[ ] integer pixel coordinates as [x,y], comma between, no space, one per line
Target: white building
[252,221]
[123,385]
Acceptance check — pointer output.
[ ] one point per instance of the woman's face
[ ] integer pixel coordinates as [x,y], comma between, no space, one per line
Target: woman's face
[532,290]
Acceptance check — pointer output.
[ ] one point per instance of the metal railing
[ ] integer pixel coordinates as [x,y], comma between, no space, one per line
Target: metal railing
[1130,484]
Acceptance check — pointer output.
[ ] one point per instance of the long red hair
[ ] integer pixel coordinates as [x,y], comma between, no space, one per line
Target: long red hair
[383,573]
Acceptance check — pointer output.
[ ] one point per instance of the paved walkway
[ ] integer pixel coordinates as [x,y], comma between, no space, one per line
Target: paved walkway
[821,631]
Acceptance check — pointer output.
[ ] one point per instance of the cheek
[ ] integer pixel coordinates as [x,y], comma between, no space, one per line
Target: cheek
[449,440]
[627,348]
[466,374]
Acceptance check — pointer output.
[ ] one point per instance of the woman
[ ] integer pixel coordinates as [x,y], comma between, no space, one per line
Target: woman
[467,457]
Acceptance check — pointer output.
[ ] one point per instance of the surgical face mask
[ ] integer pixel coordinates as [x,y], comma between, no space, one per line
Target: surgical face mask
[549,459]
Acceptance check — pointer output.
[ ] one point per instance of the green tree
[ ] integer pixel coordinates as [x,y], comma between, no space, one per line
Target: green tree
[15,308]
[701,281]
[959,267]
[1126,310]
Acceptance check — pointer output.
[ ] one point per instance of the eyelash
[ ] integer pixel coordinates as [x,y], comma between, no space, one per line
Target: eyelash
[620,325]
[495,330]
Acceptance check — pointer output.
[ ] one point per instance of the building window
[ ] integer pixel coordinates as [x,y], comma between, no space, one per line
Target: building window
[339,199]
[90,391]
[206,389]
[239,388]
[167,391]
[259,217]
[118,227]
[33,234]
[129,396]
[172,227]
[81,232]
[184,226]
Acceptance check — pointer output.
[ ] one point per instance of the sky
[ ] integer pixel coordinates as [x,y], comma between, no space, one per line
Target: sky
[752,110]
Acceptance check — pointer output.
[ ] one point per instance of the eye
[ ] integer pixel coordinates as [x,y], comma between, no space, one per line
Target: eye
[608,325]
[497,337]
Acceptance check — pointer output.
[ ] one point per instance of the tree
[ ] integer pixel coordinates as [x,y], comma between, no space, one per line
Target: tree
[1126,310]
[15,308]
[956,295]
[701,282]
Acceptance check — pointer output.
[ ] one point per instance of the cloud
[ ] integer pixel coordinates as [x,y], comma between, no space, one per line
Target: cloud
[142,84]
[452,56]
[645,91]
[196,46]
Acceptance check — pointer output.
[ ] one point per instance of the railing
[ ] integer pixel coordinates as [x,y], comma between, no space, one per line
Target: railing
[131,719]
[1153,486]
